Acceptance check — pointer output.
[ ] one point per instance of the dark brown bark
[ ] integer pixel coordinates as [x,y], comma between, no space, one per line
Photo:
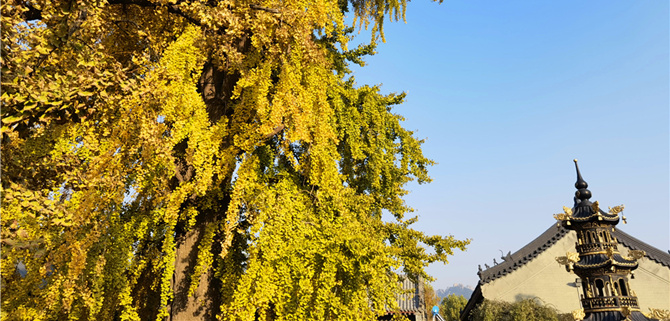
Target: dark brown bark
[33,13]
[215,86]
[205,303]
[147,294]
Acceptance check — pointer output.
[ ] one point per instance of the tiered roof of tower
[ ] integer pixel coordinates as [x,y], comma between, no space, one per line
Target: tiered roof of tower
[603,270]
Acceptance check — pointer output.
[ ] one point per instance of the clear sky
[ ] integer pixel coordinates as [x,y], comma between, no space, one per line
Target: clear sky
[507,93]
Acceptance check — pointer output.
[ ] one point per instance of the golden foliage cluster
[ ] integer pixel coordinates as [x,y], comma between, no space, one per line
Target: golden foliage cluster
[133,127]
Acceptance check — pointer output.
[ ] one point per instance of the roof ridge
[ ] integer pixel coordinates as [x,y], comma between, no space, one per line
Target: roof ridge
[524,254]
[636,244]
[548,238]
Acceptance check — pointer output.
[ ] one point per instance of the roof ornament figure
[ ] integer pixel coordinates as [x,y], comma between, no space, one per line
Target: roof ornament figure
[506,257]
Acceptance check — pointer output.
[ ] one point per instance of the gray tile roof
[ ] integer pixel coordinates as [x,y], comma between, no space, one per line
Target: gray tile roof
[551,236]
[524,255]
[652,253]
[410,302]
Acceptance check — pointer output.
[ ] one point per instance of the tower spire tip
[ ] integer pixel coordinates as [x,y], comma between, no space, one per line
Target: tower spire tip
[581,185]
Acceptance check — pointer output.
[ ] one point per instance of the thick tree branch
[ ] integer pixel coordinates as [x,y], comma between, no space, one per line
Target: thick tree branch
[174,9]
[36,14]
[257,7]
[274,132]
[32,13]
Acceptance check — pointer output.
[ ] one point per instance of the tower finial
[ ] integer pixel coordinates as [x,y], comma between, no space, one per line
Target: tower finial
[581,185]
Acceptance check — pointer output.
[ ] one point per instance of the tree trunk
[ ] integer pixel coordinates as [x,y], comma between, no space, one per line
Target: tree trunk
[216,88]
[204,304]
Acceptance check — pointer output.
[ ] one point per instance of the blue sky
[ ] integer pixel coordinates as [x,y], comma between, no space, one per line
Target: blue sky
[507,93]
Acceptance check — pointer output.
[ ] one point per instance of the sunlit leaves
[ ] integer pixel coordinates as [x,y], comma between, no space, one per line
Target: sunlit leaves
[130,126]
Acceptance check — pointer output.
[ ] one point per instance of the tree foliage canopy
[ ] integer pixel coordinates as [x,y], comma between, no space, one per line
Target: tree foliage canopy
[451,306]
[170,158]
[528,309]
[430,297]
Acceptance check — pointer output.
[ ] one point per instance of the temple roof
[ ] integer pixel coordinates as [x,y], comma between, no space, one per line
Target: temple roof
[410,302]
[652,253]
[553,235]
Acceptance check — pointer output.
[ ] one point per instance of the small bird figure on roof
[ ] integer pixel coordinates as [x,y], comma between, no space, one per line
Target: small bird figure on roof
[480,267]
[494,262]
[487,266]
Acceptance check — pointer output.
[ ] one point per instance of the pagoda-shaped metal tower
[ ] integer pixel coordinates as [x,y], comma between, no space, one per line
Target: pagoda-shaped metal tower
[603,270]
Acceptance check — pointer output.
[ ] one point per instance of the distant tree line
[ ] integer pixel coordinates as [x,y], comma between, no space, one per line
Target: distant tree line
[528,310]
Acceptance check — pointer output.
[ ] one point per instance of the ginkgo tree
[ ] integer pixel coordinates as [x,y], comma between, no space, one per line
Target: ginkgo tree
[195,160]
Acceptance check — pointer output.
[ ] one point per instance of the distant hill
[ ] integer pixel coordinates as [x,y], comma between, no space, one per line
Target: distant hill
[458,289]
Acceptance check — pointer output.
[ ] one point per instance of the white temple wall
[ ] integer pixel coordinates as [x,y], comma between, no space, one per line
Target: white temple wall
[542,278]
[545,279]
[651,283]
